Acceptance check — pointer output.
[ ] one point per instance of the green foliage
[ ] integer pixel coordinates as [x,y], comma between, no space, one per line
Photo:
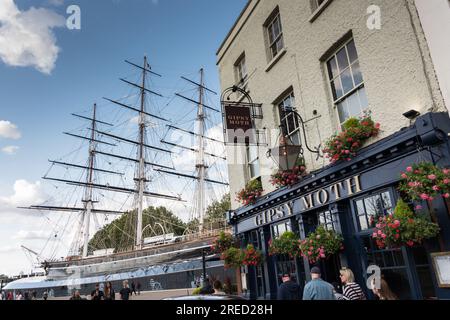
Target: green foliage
[344,146]
[403,228]
[119,233]
[321,244]
[223,242]
[196,291]
[232,257]
[287,243]
[253,189]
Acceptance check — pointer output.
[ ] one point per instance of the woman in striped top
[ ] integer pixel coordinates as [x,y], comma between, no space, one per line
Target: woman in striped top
[352,290]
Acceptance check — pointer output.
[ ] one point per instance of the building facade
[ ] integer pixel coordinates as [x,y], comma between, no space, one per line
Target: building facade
[330,60]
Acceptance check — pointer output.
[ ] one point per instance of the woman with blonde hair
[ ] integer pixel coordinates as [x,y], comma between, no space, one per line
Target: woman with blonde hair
[352,290]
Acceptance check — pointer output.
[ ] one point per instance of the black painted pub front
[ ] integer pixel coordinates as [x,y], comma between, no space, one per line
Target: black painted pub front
[343,197]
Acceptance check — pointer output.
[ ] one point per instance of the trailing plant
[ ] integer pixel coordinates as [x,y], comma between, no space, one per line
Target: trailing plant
[344,145]
[252,256]
[284,178]
[232,257]
[425,181]
[403,227]
[250,193]
[321,244]
[288,243]
[223,242]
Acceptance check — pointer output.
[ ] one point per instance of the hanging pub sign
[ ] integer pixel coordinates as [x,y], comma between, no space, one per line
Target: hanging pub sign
[239,127]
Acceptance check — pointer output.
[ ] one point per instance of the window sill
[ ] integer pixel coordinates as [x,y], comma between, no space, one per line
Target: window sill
[319,10]
[275,59]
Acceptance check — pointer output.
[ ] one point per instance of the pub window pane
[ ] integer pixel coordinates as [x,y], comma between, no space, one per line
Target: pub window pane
[275,35]
[342,59]
[354,107]
[345,79]
[363,222]
[357,76]
[352,54]
[332,68]
[363,98]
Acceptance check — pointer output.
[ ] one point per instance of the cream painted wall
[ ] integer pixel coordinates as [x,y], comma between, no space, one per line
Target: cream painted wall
[395,62]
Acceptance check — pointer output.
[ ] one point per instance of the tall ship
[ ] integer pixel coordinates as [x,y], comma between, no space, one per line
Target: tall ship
[135,175]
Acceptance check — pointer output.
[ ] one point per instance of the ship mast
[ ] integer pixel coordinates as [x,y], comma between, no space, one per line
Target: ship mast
[89,205]
[201,166]
[140,181]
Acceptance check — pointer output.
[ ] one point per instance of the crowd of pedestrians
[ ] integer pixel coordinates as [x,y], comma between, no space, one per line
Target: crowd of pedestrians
[319,289]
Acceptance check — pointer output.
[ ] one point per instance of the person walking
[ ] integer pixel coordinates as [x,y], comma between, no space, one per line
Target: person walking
[288,290]
[318,289]
[218,288]
[139,286]
[133,288]
[125,291]
[352,290]
[97,294]
[45,295]
[110,294]
[384,292]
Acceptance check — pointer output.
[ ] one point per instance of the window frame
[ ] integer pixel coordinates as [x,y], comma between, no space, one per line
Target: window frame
[284,116]
[274,17]
[332,78]
[356,215]
[240,65]
[252,162]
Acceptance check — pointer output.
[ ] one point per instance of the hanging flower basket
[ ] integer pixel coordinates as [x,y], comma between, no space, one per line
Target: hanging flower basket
[252,256]
[223,242]
[344,146]
[425,181]
[403,228]
[232,257]
[286,244]
[250,193]
[321,244]
[284,178]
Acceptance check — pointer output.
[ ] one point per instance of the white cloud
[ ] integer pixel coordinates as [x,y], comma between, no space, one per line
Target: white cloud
[8,249]
[10,150]
[31,235]
[26,37]
[25,194]
[9,130]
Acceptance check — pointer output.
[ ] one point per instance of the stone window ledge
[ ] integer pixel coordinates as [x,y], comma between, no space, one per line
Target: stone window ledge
[319,10]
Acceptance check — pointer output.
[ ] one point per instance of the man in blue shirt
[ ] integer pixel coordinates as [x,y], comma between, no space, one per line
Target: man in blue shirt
[318,289]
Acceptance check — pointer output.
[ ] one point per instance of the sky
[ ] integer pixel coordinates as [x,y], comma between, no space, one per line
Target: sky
[48,71]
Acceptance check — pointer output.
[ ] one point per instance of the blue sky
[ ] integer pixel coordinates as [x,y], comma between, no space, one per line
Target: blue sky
[179,36]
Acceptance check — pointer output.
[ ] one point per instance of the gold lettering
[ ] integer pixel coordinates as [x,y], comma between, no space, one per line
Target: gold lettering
[308,201]
[336,188]
[353,185]
[322,196]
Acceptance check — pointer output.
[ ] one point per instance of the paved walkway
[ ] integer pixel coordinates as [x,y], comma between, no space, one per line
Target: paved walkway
[148,295]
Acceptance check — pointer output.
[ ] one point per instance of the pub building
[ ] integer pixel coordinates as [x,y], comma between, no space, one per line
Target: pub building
[343,197]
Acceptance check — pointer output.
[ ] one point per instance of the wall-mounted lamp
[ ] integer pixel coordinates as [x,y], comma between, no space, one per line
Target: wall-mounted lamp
[411,114]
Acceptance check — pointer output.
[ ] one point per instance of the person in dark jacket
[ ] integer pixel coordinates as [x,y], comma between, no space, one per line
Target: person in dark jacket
[288,290]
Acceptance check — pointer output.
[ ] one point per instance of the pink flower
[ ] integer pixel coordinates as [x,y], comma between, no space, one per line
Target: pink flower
[432,177]
[383,236]
[446,171]
[409,169]
[322,256]
[404,176]
[397,222]
[380,232]
[436,188]
[424,196]
[374,235]
[447,195]
[419,207]
[410,243]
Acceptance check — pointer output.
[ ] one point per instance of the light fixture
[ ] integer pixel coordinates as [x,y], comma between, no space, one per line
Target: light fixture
[411,114]
[285,155]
